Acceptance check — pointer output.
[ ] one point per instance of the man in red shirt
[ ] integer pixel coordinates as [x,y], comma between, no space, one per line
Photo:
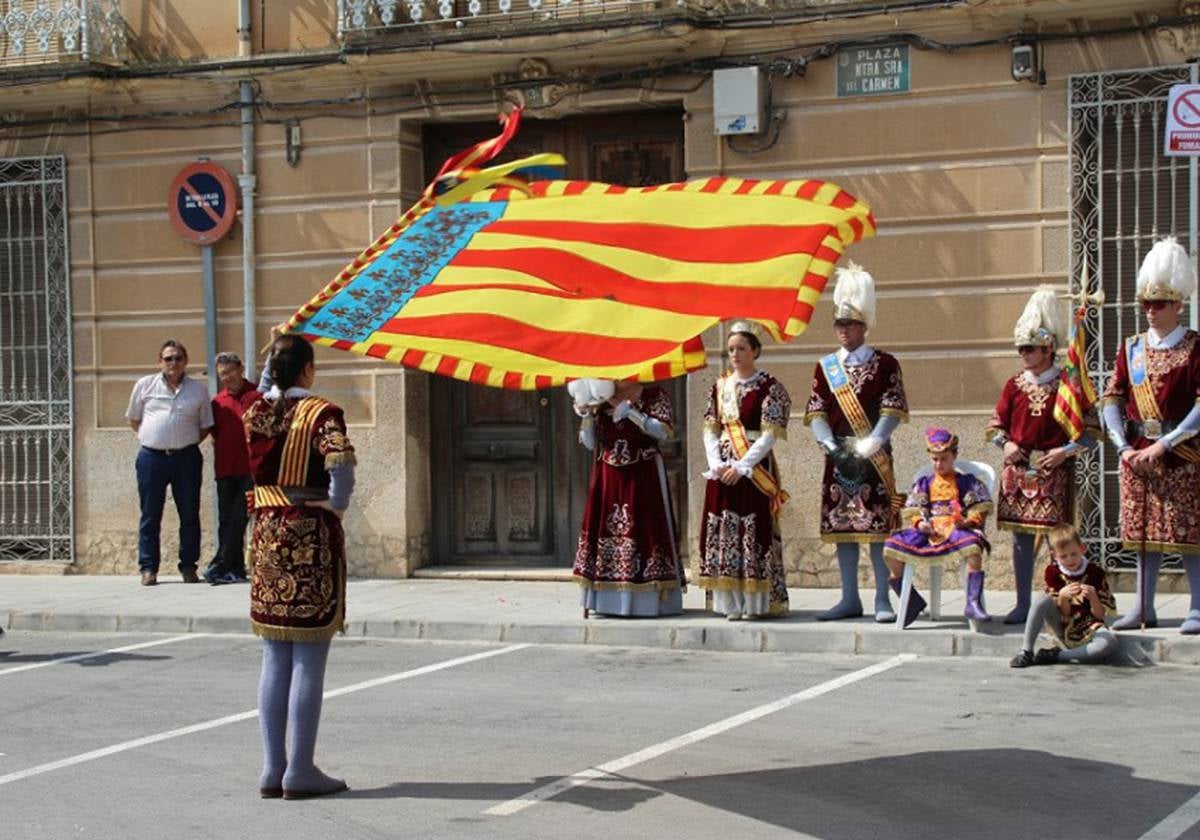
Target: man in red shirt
[231,464]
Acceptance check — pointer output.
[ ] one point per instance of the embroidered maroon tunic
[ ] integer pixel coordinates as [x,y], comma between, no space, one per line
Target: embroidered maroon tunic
[298,580]
[627,540]
[855,503]
[1168,500]
[1032,499]
[1081,625]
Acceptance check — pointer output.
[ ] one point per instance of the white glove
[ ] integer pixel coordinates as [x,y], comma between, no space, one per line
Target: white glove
[621,411]
[590,391]
[868,446]
[582,410]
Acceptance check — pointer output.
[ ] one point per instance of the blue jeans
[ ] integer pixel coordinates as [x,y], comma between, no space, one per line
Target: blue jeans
[181,471]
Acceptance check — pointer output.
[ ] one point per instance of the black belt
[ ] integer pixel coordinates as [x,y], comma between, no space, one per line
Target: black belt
[172,451]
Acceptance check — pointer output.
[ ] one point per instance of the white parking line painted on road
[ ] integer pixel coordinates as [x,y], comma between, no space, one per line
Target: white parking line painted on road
[584,777]
[79,657]
[125,746]
[1177,822]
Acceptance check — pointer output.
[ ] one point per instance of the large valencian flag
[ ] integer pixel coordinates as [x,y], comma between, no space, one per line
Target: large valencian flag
[500,279]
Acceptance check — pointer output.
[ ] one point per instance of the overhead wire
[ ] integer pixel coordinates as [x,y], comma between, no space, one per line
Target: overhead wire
[775,62]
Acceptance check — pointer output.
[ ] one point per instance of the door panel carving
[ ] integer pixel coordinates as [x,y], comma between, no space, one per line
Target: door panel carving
[509,475]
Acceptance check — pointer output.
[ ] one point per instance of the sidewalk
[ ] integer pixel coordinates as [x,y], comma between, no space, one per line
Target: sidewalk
[445,606]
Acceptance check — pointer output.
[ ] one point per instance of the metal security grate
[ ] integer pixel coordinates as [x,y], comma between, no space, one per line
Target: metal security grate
[36,442]
[1125,194]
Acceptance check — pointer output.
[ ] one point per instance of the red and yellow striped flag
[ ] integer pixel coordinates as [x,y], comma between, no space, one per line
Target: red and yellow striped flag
[496,279]
[1076,394]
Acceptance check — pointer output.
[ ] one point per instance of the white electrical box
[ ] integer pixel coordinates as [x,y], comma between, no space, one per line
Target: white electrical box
[738,100]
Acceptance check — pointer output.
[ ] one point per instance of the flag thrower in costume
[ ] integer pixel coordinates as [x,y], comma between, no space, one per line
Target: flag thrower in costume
[1076,394]
[498,278]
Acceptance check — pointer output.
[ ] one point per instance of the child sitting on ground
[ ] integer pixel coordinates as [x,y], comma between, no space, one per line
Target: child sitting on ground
[1074,606]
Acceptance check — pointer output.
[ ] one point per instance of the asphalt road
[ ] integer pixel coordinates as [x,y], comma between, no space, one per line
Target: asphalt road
[444,740]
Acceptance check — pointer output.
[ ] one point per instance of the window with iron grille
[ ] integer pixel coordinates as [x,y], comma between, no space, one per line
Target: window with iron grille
[35,363]
[1125,194]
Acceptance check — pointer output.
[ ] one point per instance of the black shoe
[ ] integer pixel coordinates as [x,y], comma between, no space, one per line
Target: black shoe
[1046,656]
[1022,660]
[189,576]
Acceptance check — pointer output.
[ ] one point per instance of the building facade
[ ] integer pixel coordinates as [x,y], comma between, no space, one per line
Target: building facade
[332,115]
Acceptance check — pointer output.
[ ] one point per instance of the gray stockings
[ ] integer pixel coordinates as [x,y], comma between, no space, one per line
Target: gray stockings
[1045,611]
[290,693]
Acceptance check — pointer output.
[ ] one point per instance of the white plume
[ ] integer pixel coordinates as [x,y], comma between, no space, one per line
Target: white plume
[1042,310]
[1168,265]
[855,288]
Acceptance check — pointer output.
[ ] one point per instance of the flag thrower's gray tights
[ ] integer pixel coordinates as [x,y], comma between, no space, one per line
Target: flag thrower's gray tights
[289,691]
[1045,611]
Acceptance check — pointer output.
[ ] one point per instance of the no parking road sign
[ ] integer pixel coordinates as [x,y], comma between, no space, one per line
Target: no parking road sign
[202,202]
[1182,136]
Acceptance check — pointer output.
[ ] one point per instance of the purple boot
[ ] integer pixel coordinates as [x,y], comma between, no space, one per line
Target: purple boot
[915,602]
[974,610]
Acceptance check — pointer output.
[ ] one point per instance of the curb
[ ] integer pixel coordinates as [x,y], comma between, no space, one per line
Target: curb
[762,638]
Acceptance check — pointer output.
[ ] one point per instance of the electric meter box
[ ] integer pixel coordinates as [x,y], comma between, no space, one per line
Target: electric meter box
[738,100]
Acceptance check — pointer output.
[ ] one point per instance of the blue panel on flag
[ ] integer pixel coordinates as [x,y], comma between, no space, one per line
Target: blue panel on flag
[390,280]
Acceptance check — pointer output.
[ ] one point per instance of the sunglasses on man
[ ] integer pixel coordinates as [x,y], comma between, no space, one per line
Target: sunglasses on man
[173,359]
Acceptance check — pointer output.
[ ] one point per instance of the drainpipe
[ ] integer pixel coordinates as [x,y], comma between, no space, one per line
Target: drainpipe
[244,29]
[247,182]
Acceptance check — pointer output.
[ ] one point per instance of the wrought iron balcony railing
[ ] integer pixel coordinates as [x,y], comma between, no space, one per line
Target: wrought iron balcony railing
[373,18]
[34,32]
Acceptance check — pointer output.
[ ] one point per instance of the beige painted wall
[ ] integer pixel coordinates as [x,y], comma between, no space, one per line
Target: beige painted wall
[967,175]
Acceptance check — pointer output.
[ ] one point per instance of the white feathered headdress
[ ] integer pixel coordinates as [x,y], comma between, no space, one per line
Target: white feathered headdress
[591,391]
[1043,323]
[1167,272]
[854,295]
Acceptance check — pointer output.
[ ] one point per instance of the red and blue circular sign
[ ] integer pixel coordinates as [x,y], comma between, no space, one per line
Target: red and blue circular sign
[202,202]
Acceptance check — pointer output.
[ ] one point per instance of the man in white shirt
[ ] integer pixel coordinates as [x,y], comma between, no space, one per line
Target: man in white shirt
[171,414]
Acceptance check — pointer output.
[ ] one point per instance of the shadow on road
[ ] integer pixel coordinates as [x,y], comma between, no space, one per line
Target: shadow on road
[989,794]
[997,794]
[8,657]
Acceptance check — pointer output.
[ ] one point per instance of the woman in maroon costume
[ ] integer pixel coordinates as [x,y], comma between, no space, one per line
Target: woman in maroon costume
[741,557]
[303,468]
[627,561]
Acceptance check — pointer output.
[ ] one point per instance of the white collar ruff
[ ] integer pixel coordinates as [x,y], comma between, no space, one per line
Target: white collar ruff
[1047,376]
[291,393]
[1166,342]
[860,355]
[1076,575]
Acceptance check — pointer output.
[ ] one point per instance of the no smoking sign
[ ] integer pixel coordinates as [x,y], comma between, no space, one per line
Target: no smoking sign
[1182,136]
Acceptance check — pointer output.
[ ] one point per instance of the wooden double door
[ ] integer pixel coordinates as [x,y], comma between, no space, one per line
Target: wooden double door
[509,475]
